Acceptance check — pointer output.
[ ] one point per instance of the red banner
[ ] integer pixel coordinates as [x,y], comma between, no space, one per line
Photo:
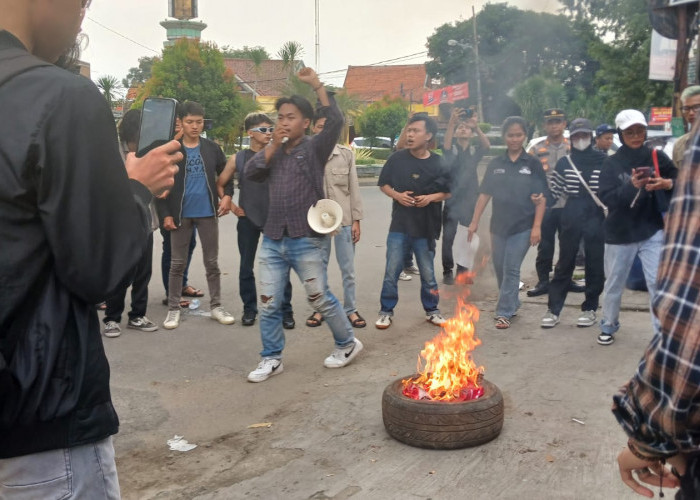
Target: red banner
[446,94]
[659,116]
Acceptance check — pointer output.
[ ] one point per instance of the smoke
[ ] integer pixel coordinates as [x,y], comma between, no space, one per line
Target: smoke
[551,6]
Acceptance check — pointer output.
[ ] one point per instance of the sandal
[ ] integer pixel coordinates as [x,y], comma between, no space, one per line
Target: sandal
[312,321]
[190,291]
[358,322]
[502,323]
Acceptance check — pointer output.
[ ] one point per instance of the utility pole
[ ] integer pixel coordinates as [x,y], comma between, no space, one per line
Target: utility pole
[318,45]
[479,101]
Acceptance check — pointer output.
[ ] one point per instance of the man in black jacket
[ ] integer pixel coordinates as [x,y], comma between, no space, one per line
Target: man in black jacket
[72,226]
[193,203]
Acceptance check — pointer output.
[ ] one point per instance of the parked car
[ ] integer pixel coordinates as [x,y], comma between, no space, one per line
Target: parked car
[363,142]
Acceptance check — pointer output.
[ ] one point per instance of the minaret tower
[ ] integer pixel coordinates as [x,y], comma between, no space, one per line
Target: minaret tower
[180,24]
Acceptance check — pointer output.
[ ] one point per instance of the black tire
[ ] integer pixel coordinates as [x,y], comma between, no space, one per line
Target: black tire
[442,425]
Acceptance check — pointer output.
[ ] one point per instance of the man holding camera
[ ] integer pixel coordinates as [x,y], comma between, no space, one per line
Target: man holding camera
[73,226]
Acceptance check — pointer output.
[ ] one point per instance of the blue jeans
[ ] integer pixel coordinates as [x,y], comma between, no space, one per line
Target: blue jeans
[86,471]
[618,262]
[508,253]
[397,245]
[248,238]
[304,255]
[345,255]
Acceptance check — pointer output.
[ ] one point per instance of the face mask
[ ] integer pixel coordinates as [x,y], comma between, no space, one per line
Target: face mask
[582,144]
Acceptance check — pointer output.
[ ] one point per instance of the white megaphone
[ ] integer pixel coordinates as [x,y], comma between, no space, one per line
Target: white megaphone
[325,216]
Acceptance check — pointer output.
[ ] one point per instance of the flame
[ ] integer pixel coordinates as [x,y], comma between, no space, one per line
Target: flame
[446,370]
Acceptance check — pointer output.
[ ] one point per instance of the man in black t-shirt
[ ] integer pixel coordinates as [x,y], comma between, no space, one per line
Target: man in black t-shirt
[418,183]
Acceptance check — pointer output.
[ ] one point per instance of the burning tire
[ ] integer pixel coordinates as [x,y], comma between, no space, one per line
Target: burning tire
[442,425]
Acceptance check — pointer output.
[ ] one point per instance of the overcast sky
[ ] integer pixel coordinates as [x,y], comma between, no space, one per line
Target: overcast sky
[357,32]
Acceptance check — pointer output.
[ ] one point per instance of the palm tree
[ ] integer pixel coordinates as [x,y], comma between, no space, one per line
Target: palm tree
[109,86]
[289,53]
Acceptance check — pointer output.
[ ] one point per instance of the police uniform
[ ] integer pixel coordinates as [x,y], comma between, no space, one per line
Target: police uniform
[549,154]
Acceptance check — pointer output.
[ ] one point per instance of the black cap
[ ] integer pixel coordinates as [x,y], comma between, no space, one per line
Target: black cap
[604,128]
[554,114]
[580,125]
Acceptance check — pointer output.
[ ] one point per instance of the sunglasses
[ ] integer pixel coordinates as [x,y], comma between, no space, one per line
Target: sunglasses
[263,130]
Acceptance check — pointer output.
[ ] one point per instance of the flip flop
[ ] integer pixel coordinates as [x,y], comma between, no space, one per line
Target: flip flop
[312,321]
[190,291]
[358,322]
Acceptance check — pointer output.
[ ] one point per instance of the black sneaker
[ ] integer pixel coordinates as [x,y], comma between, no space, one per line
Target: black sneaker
[541,288]
[448,278]
[576,288]
[288,322]
[248,318]
[142,323]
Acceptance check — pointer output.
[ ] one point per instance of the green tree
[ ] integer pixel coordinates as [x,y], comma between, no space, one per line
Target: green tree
[622,50]
[195,71]
[290,53]
[538,93]
[109,86]
[513,45]
[138,75]
[254,53]
[383,118]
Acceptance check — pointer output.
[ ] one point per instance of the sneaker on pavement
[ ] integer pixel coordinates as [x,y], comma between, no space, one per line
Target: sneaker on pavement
[587,318]
[112,329]
[540,289]
[248,318]
[435,319]
[223,317]
[383,322]
[142,323]
[288,322]
[172,320]
[341,357]
[605,338]
[448,278]
[549,320]
[266,369]
[405,277]
[411,270]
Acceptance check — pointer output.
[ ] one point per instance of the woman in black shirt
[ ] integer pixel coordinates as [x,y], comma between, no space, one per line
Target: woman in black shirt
[516,181]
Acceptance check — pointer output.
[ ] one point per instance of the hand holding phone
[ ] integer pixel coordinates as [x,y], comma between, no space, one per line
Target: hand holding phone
[157,124]
[643,172]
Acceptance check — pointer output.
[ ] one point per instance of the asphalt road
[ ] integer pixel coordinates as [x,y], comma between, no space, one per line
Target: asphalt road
[325,437]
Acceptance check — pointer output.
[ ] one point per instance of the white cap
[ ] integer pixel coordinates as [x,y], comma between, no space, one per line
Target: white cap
[628,117]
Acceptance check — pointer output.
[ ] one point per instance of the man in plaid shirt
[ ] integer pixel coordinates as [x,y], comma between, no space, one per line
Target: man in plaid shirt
[659,407]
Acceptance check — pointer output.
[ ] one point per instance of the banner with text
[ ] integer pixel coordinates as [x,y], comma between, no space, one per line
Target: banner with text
[446,94]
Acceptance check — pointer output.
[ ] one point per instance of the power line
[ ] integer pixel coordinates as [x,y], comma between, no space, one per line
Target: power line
[123,36]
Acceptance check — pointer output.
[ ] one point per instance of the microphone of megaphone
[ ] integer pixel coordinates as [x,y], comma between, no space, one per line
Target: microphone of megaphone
[325,216]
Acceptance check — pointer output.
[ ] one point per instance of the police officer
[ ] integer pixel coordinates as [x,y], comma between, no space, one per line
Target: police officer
[549,150]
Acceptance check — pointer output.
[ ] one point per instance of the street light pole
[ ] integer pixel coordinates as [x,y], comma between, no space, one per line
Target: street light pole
[479,102]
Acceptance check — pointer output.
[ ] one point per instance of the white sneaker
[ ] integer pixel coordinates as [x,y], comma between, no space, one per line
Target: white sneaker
[549,320]
[405,277]
[383,322]
[112,329]
[222,316]
[341,357]
[411,270]
[172,320]
[587,318]
[435,319]
[266,369]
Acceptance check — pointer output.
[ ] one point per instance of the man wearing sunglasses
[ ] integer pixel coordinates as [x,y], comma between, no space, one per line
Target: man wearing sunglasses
[73,226]
[690,107]
[253,199]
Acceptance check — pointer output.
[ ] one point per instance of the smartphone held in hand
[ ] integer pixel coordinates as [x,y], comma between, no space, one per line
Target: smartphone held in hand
[157,123]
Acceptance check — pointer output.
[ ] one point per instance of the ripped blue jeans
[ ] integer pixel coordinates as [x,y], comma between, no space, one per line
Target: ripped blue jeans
[304,256]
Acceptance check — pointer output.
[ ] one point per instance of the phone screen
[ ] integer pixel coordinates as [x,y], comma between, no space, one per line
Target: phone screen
[157,123]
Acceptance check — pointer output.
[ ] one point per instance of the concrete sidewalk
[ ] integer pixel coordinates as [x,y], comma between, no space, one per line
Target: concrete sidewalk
[326,438]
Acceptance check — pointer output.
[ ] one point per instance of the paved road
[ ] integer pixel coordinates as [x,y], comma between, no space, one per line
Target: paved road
[326,438]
